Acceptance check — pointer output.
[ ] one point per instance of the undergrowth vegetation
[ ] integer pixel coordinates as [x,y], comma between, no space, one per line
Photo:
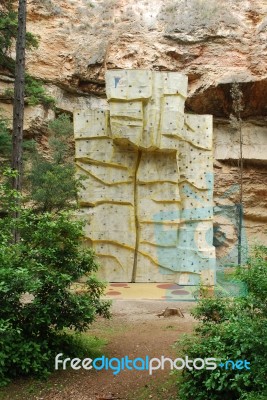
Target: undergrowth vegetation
[231,329]
[52,181]
[36,274]
[39,311]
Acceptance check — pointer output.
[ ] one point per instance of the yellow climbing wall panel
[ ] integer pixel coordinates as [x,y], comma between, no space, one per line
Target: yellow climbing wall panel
[148,188]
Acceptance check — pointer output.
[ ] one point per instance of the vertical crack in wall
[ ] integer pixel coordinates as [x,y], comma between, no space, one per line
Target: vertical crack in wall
[136,209]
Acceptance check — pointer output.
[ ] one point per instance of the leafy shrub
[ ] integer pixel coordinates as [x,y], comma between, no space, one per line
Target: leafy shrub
[6,143]
[36,300]
[231,329]
[61,126]
[5,138]
[36,94]
[52,182]
[56,186]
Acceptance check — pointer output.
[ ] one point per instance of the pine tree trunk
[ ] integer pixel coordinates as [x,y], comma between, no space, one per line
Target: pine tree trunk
[18,108]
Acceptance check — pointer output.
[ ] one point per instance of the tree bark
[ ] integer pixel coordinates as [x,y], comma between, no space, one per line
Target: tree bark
[18,107]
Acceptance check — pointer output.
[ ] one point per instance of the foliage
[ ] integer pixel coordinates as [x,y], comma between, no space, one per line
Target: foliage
[51,181]
[53,184]
[5,138]
[61,126]
[36,94]
[8,27]
[29,145]
[8,33]
[8,203]
[233,329]
[255,277]
[34,89]
[37,303]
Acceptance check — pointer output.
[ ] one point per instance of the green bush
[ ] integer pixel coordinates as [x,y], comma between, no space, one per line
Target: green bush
[53,186]
[61,126]
[37,304]
[5,138]
[52,181]
[36,94]
[6,143]
[231,329]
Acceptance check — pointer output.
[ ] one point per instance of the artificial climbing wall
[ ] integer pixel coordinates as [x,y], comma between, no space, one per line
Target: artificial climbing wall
[148,168]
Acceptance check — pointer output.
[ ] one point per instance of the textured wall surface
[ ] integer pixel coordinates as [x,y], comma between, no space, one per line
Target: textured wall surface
[149,181]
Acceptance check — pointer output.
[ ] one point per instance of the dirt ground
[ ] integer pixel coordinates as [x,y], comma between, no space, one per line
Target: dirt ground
[133,331]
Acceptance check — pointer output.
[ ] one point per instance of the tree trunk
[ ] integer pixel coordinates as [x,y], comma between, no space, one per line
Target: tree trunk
[18,108]
[240,192]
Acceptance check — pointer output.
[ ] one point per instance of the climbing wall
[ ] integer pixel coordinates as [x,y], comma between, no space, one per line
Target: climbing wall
[148,181]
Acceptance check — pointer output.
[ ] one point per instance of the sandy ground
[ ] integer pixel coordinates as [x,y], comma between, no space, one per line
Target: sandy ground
[133,331]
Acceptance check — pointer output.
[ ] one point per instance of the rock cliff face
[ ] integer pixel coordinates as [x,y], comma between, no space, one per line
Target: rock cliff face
[214,43]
